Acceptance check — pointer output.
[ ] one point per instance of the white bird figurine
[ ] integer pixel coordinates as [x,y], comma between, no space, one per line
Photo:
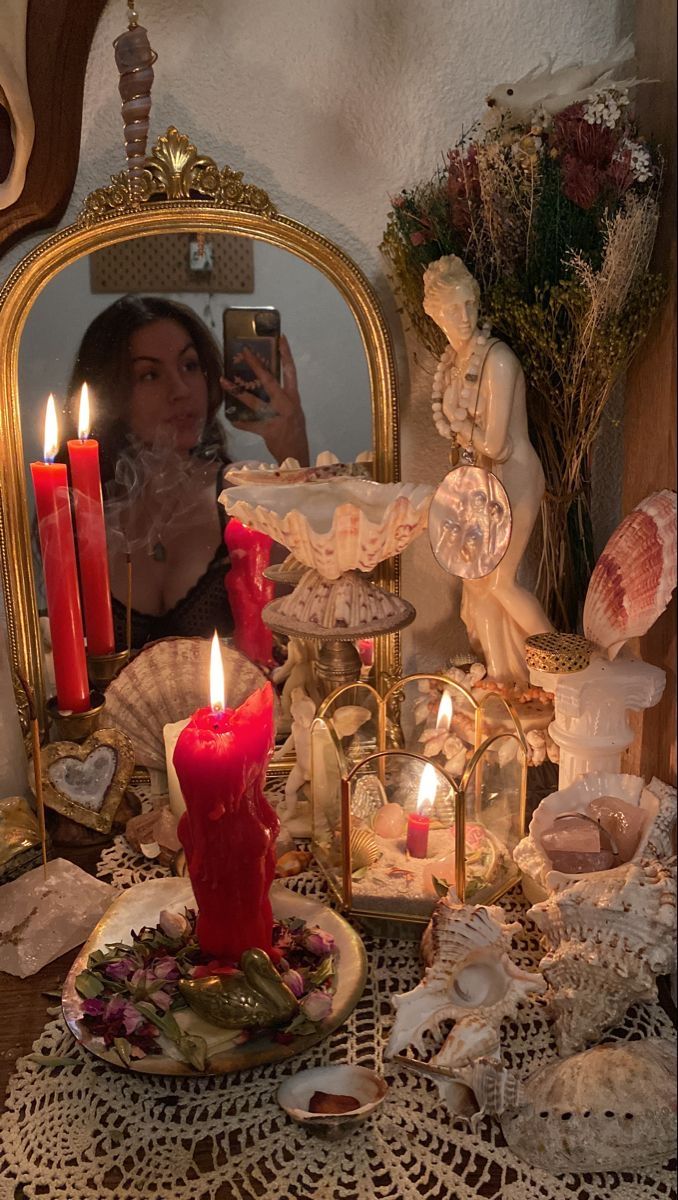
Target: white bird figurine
[551,91]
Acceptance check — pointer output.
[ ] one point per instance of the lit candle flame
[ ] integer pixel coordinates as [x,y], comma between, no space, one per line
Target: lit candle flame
[51,443]
[217,698]
[83,415]
[428,786]
[445,710]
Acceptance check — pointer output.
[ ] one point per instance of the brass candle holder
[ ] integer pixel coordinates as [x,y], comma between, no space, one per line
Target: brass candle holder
[76,726]
[103,668]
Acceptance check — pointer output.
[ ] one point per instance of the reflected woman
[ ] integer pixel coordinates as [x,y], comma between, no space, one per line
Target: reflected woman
[155,372]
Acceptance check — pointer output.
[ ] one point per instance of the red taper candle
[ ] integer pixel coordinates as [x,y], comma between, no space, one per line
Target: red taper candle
[53,509]
[229,829]
[83,456]
[248,591]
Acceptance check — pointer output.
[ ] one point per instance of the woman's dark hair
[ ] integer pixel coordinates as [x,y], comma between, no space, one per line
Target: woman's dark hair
[103,362]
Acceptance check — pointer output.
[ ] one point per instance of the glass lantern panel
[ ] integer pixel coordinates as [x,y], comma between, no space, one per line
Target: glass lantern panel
[352,714]
[495,807]
[402,837]
[435,719]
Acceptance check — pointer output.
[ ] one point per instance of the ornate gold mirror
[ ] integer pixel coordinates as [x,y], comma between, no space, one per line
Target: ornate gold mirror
[152,239]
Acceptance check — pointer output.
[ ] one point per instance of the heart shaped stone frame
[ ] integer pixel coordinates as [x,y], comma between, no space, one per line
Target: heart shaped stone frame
[101,817]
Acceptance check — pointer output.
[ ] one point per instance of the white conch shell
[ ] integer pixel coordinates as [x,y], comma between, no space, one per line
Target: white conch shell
[608,936]
[350,602]
[612,1108]
[168,681]
[635,575]
[531,858]
[471,981]
[344,525]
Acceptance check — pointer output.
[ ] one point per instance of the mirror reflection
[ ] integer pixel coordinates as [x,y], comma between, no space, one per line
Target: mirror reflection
[181,384]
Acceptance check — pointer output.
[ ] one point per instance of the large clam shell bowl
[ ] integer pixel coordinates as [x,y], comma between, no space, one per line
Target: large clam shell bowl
[342,525]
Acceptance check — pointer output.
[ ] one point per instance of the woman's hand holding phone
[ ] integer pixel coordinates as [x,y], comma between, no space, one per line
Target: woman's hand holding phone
[284,430]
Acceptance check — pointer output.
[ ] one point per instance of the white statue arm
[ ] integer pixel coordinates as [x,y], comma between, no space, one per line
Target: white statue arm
[500,375]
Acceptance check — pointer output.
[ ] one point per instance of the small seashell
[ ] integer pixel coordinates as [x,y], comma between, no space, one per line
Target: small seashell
[339,1079]
[364,849]
[292,863]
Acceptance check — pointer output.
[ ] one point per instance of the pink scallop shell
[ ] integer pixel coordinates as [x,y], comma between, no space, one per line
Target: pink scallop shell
[635,575]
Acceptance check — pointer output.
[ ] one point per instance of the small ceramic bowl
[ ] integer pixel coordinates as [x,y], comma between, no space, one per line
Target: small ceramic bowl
[294,1095]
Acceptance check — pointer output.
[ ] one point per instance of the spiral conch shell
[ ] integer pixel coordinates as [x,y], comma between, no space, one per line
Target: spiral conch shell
[471,981]
[635,575]
[608,939]
[134,60]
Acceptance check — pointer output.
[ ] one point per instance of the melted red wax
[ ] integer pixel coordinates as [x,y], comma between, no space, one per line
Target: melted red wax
[229,829]
[248,591]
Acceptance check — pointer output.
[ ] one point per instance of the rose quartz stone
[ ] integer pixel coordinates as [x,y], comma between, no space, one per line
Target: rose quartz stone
[576,845]
[389,821]
[623,821]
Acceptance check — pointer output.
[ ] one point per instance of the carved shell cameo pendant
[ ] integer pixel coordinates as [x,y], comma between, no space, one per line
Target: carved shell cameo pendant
[469,522]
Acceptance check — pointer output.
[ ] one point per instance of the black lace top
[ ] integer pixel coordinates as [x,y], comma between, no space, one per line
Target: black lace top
[204,608]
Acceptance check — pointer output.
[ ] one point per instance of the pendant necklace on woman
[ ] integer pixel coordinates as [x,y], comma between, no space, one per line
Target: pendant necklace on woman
[470,520]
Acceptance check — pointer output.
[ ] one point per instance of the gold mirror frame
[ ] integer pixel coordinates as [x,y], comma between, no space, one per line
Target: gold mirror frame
[180,192]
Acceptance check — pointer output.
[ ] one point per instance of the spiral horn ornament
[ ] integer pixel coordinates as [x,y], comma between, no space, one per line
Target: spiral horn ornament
[134,59]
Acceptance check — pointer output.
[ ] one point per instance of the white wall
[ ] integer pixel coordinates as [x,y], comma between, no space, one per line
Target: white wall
[332,106]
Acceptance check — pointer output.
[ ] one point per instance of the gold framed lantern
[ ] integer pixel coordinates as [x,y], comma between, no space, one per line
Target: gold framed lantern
[400,813]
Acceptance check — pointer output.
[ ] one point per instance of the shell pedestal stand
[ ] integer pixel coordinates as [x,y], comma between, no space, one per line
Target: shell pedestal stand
[338,661]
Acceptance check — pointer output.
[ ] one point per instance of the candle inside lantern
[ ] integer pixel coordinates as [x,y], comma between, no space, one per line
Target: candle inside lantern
[418,823]
[53,508]
[83,456]
[229,829]
[445,711]
[248,590]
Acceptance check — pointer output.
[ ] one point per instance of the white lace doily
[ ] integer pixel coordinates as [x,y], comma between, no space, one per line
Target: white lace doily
[88,1132]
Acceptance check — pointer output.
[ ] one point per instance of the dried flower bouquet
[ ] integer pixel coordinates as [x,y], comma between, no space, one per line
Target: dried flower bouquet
[556,218]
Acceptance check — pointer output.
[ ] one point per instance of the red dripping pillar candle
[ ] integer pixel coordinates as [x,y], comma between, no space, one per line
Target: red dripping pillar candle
[248,591]
[83,456]
[229,829]
[53,509]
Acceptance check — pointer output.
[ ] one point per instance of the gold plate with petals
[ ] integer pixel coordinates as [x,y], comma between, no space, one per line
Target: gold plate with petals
[141,905]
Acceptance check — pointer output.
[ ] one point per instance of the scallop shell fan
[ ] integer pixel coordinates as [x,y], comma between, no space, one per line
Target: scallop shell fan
[168,681]
[635,575]
[346,603]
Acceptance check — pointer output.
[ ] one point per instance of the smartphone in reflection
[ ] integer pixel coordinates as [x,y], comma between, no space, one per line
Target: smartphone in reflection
[258,330]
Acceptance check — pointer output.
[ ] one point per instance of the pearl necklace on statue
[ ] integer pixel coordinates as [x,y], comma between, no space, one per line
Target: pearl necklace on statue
[448,374]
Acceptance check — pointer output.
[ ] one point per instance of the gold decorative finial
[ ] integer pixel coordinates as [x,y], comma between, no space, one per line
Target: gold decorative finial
[133,16]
